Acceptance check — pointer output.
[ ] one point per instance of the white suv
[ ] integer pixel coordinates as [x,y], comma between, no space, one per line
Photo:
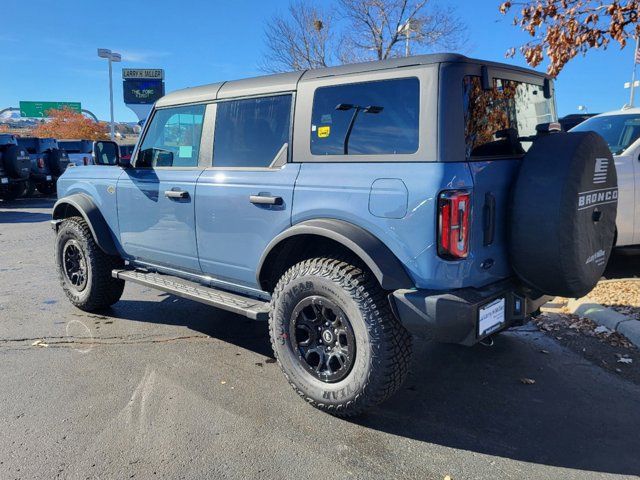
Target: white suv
[621,130]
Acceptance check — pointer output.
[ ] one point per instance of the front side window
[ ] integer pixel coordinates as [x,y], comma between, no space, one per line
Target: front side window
[619,131]
[498,121]
[173,138]
[251,132]
[371,118]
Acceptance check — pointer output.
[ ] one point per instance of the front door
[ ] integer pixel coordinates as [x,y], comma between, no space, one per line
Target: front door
[245,199]
[156,197]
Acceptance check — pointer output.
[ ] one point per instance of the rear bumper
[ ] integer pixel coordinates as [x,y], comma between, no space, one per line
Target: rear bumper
[453,316]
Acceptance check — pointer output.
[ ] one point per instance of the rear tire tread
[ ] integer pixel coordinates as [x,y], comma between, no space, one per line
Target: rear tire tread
[391,343]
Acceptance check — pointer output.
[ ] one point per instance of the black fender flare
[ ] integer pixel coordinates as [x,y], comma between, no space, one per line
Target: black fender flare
[91,213]
[382,262]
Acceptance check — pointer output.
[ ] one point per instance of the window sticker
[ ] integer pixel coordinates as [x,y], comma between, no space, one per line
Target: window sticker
[326,118]
[185,151]
[324,132]
[313,128]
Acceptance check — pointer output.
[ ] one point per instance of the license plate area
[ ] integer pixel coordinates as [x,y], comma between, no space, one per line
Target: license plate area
[491,317]
[48,178]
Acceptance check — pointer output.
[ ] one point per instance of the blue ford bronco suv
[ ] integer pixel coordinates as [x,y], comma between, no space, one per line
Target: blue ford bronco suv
[352,207]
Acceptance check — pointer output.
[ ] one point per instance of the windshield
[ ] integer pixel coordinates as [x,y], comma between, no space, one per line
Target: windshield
[619,131]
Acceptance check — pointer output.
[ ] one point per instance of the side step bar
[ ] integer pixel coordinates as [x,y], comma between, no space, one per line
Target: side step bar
[249,307]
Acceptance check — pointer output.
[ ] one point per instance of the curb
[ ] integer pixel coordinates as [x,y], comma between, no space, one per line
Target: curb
[614,321]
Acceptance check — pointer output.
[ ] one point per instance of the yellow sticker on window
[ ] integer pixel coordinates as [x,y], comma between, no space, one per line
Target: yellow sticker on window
[324,132]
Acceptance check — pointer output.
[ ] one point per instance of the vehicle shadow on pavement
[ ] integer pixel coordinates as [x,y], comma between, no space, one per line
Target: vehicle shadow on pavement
[574,416]
[23,217]
[219,324]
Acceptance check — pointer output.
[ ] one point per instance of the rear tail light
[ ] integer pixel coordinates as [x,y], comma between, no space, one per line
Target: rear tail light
[40,162]
[454,208]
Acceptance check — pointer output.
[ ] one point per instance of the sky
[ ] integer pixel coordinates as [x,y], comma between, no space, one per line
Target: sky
[48,49]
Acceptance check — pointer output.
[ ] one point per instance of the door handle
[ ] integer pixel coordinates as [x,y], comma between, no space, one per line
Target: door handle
[265,200]
[180,194]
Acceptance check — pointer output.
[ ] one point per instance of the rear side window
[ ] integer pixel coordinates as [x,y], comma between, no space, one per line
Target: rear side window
[251,132]
[173,138]
[497,121]
[371,118]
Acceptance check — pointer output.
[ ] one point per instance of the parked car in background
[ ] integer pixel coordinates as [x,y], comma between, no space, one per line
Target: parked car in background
[349,209]
[569,121]
[126,151]
[48,162]
[15,166]
[79,151]
[621,130]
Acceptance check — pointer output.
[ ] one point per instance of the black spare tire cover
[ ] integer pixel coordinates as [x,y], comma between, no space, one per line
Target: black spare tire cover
[58,161]
[16,161]
[563,214]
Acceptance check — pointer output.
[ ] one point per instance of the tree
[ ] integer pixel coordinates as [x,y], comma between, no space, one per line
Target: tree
[301,40]
[563,29]
[67,123]
[356,30]
[377,28]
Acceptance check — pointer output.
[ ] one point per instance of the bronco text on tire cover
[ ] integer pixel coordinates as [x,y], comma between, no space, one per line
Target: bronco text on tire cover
[562,219]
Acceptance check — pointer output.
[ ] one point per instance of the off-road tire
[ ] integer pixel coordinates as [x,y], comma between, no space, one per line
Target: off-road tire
[383,345]
[101,289]
[46,188]
[12,191]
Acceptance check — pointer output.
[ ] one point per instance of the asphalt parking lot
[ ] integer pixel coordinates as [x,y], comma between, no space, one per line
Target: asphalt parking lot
[160,386]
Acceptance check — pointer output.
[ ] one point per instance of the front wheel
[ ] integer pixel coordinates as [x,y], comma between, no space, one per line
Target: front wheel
[84,270]
[335,337]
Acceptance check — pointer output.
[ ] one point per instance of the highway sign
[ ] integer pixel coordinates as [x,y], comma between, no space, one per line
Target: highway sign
[143,73]
[39,109]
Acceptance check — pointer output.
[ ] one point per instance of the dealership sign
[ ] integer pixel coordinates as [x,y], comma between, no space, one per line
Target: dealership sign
[40,109]
[143,73]
[141,88]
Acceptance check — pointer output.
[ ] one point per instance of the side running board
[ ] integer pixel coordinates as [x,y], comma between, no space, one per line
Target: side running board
[249,307]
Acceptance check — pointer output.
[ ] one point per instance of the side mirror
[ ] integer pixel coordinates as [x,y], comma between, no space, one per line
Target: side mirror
[106,153]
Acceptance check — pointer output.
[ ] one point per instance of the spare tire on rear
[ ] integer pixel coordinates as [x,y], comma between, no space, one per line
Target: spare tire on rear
[58,161]
[16,161]
[563,214]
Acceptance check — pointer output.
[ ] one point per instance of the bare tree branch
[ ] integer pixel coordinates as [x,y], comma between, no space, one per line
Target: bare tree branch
[300,40]
[357,30]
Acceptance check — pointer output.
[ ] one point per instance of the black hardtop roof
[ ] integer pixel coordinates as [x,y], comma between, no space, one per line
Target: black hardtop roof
[282,82]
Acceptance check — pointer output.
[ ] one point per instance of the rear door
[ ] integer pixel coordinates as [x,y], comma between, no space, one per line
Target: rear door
[244,200]
[156,197]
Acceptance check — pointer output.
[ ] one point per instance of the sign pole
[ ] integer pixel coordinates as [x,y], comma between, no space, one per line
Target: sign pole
[112,126]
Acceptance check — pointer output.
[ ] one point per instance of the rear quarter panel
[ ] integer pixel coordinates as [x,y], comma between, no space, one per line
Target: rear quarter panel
[346,191]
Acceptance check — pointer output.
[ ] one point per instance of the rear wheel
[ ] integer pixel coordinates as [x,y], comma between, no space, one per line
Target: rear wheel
[84,270]
[335,337]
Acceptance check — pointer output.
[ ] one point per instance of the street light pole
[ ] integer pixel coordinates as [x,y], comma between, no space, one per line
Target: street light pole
[111,126]
[633,75]
[111,57]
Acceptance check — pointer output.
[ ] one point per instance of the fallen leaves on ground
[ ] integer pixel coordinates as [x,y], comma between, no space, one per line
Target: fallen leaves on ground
[561,321]
[623,296]
[527,381]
